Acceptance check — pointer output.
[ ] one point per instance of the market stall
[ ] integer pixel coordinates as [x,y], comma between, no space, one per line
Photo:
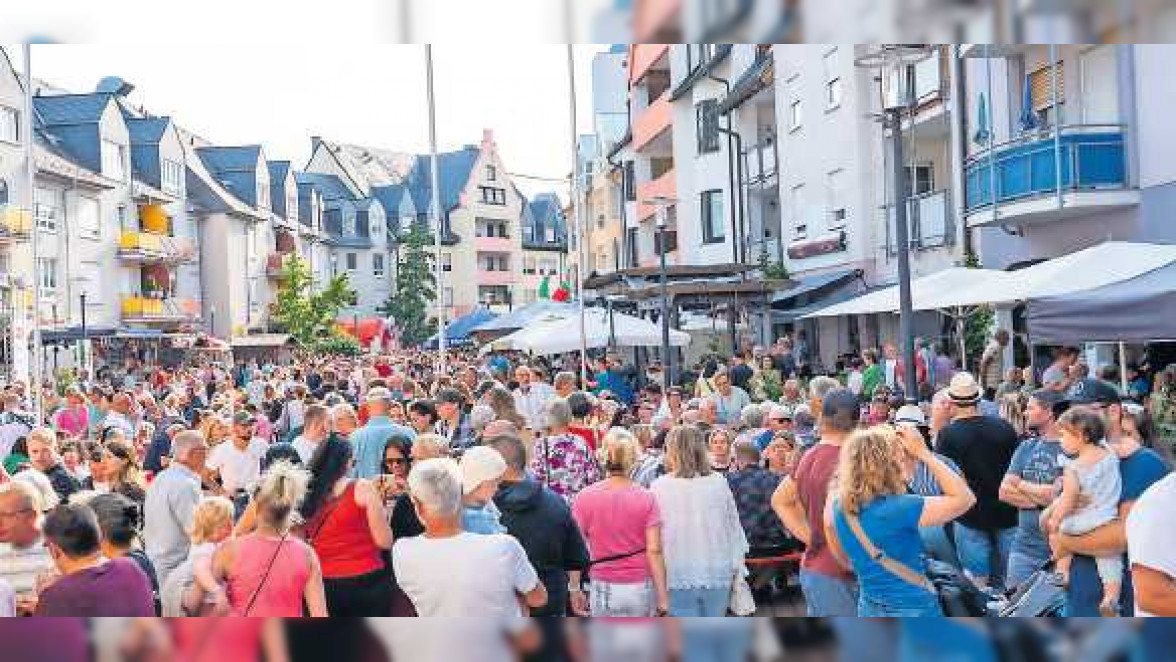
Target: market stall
[600,330]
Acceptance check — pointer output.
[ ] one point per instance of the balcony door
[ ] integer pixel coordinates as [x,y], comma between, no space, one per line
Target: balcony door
[1100,88]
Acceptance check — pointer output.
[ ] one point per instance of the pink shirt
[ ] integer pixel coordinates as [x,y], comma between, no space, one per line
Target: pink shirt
[75,421]
[281,593]
[613,521]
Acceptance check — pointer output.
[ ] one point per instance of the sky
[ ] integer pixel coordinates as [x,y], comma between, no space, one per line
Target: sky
[371,95]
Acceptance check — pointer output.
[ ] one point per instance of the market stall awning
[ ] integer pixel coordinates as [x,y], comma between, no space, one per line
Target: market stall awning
[1138,310]
[74,334]
[529,314]
[265,341]
[457,332]
[930,292]
[563,335]
[805,290]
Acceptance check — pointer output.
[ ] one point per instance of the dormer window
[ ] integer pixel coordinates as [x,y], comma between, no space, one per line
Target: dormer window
[263,196]
[171,177]
[349,226]
[114,158]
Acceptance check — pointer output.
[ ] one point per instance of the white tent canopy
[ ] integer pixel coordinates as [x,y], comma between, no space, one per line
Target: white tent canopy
[1098,266]
[563,335]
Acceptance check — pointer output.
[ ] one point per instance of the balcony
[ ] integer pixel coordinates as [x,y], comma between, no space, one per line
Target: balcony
[148,310]
[494,244]
[644,57]
[652,122]
[929,217]
[665,186]
[154,218]
[1037,178]
[16,224]
[149,247]
[277,263]
[491,278]
[760,168]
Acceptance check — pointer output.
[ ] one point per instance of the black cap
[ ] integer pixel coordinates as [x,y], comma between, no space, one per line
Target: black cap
[1094,392]
[842,409]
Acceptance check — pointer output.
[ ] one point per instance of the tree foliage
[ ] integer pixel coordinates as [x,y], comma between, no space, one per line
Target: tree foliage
[979,324]
[305,313]
[416,288]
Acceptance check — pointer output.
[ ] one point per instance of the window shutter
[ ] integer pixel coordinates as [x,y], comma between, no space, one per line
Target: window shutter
[1041,86]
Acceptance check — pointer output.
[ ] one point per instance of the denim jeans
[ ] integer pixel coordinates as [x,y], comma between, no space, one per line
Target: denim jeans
[938,545]
[984,554]
[1022,565]
[868,608]
[715,640]
[828,596]
[710,602]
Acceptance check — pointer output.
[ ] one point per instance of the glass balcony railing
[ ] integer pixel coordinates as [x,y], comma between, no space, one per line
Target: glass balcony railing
[137,308]
[152,247]
[15,223]
[1092,158]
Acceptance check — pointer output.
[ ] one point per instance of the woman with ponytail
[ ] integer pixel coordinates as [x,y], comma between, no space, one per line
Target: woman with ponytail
[270,572]
[621,523]
[121,522]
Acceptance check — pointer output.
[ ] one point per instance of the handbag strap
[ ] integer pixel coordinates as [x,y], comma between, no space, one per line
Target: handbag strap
[265,577]
[896,568]
[616,557]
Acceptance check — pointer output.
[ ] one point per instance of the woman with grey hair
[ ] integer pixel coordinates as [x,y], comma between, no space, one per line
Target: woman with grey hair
[704,540]
[562,460]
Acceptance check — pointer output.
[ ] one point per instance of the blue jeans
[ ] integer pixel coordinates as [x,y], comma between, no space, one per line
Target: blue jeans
[984,554]
[714,640]
[938,545]
[710,602]
[868,608]
[828,596]
[1022,565]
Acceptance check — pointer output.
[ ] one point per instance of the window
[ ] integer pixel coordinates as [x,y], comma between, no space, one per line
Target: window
[89,218]
[707,119]
[3,192]
[549,234]
[334,264]
[797,211]
[377,265]
[120,215]
[546,268]
[631,246]
[172,177]
[832,81]
[349,226]
[406,223]
[529,266]
[447,262]
[491,173]
[795,115]
[920,178]
[630,182]
[1046,108]
[9,124]
[492,195]
[114,159]
[711,214]
[47,273]
[47,207]
[835,189]
[352,262]
[447,296]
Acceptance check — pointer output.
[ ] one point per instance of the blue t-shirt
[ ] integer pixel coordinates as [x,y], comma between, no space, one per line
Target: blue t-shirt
[1038,462]
[1139,471]
[892,524]
[945,640]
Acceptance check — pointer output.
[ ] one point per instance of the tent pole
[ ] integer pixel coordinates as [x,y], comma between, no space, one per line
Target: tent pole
[1123,367]
[961,321]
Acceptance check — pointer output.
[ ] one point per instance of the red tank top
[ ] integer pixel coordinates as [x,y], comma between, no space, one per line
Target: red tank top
[341,537]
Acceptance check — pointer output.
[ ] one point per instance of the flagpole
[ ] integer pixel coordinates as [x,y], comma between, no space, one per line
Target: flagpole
[436,207]
[30,200]
[576,216]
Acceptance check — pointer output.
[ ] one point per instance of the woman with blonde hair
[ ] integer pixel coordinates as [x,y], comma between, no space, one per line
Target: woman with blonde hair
[622,526]
[872,523]
[704,540]
[270,572]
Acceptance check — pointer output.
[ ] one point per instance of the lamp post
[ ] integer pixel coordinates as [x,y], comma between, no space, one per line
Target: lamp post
[663,204]
[435,206]
[892,62]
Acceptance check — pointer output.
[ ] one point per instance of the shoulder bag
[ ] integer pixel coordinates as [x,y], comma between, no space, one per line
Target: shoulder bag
[896,568]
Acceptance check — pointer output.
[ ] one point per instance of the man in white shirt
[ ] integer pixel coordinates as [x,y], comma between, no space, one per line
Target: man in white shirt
[23,555]
[239,461]
[1151,547]
[531,397]
[448,572]
[315,430]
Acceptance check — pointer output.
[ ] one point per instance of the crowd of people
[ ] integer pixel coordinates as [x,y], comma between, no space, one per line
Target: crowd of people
[508,486]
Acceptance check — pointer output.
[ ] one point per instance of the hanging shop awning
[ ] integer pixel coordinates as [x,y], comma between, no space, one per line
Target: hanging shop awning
[926,292]
[457,333]
[74,334]
[809,289]
[526,315]
[1138,310]
[264,341]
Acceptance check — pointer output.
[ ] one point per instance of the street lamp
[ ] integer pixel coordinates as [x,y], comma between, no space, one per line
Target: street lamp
[892,61]
[663,203]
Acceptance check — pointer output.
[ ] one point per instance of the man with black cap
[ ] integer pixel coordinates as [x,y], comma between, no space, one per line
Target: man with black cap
[1139,469]
[829,590]
[1030,485]
[982,447]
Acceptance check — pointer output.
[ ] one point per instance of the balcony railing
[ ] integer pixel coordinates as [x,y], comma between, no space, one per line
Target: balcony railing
[665,186]
[138,308]
[1092,158]
[929,217]
[494,244]
[652,121]
[490,278]
[759,165]
[15,223]
[152,247]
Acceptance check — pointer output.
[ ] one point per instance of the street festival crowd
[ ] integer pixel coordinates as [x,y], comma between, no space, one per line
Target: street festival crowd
[501,486]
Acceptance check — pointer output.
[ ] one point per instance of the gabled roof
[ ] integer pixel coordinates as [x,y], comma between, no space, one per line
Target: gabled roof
[330,186]
[371,167]
[390,197]
[242,158]
[146,130]
[209,195]
[544,206]
[453,173]
[63,109]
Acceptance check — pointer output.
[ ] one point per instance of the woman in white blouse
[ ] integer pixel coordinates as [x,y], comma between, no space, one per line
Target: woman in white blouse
[703,541]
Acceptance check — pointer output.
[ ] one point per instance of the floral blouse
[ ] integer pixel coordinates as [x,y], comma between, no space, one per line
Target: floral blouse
[565,464]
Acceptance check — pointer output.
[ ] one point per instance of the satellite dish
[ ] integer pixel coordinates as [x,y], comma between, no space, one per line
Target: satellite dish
[114,85]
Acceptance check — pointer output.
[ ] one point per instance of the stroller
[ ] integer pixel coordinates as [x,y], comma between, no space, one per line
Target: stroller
[1042,594]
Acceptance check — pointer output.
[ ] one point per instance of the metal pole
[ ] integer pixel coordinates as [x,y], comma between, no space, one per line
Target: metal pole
[665,302]
[30,199]
[436,207]
[1123,368]
[85,349]
[1057,147]
[576,208]
[907,313]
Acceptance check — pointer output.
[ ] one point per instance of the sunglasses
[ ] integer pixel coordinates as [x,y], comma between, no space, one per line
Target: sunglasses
[398,461]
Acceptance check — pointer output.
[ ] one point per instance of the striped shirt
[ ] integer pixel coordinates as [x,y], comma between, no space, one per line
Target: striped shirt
[21,567]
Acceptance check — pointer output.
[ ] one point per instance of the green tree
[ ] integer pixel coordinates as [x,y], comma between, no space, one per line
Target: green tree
[416,288]
[979,324]
[772,270]
[305,313]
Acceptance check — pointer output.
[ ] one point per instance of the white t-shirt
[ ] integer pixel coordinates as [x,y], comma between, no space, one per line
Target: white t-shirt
[466,575]
[445,640]
[305,448]
[1151,538]
[239,469]
[7,600]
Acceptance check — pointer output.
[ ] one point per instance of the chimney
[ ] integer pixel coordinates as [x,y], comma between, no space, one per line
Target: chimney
[488,138]
[314,142]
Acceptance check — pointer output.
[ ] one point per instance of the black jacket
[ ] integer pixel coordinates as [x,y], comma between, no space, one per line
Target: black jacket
[542,523]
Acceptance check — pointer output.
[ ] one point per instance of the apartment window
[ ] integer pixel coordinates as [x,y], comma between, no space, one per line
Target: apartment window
[832,80]
[492,195]
[447,262]
[631,246]
[711,213]
[114,159]
[89,218]
[47,207]
[920,178]
[9,124]
[546,268]
[835,189]
[495,263]
[3,192]
[1046,108]
[352,262]
[491,173]
[334,264]
[707,119]
[795,115]
[447,296]
[529,266]
[630,182]
[797,211]
[377,265]
[172,177]
[47,273]
[549,234]
[349,226]
[120,215]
